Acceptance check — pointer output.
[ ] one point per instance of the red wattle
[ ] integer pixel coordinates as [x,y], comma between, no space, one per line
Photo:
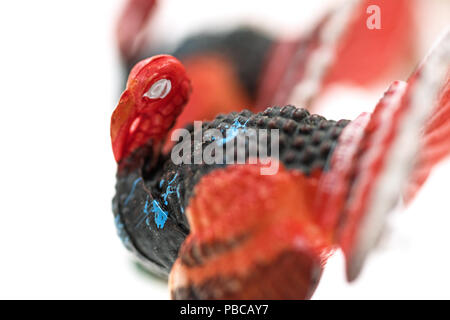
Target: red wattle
[157,91]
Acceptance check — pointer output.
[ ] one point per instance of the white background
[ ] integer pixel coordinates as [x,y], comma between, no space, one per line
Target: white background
[59,83]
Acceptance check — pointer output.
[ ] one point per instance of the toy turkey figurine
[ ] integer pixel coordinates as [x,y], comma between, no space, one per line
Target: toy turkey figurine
[224,230]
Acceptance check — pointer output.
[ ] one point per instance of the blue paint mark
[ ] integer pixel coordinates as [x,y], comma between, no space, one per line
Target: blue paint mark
[133,188]
[155,207]
[233,132]
[121,232]
[145,215]
[179,198]
[169,190]
[178,192]
[160,215]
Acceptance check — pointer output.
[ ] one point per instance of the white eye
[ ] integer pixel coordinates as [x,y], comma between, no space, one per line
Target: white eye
[159,90]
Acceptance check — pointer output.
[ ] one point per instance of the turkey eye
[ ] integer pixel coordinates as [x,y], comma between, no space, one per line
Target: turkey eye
[159,90]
